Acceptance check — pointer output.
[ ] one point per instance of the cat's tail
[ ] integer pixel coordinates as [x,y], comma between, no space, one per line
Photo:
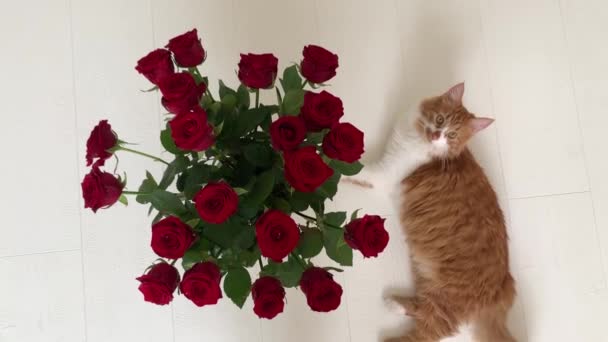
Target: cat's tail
[369,177]
[358,182]
[491,322]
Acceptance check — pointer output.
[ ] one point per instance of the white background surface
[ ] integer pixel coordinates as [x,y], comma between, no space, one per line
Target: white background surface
[539,67]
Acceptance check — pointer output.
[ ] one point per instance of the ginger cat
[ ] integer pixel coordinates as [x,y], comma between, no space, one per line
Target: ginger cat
[455,228]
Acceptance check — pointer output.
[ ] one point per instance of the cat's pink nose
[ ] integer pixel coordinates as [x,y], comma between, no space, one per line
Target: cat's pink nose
[435,135]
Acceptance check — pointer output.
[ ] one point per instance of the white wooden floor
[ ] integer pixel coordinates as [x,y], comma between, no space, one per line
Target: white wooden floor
[540,67]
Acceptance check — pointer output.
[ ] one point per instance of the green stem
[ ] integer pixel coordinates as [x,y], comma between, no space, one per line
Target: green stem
[124,192]
[143,154]
[310,218]
[304,83]
[260,261]
[305,216]
[299,260]
[257,98]
[197,73]
[173,262]
[117,161]
[209,94]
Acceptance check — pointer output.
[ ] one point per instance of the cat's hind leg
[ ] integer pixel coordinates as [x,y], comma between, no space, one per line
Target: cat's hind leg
[400,305]
[432,322]
[490,324]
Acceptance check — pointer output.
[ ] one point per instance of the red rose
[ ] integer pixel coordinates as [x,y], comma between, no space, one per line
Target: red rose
[187,49]
[159,284]
[258,71]
[323,294]
[201,284]
[171,238]
[277,234]
[268,297]
[216,202]
[102,139]
[180,92]
[318,65]
[305,170]
[287,132]
[367,234]
[344,142]
[191,131]
[156,65]
[321,110]
[100,189]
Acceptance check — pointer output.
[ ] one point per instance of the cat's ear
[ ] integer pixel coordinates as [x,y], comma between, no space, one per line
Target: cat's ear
[477,124]
[455,93]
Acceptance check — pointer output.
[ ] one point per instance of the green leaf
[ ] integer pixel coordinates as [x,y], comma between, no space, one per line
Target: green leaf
[347,169]
[273,109]
[240,191]
[261,189]
[195,254]
[237,285]
[123,199]
[225,90]
[242,95]
[265,124]
[249,120]
[178,165]
[158,216]
[315,138]
[293,101]
[215,107]
[225,234]
[330,187]
[354,215]
[259,155]
[147,186]
[249,257]
[289,272]
[245,239]
[149,90]
[196,176]
[279,97]
[243,174]
[228,103]
[300,201]
[167,141]
[335,218]
[181,182]
[194,222]
[336,248]
[280,204]
[291,79]
[167,202]
[311,243]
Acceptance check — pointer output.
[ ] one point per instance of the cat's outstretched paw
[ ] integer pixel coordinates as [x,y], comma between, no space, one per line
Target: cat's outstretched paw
[394,305]
[401,305]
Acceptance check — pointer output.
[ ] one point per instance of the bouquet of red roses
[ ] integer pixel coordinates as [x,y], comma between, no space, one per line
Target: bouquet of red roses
[241,171]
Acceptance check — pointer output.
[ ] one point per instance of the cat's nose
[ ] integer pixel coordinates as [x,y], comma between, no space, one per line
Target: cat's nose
[435,135]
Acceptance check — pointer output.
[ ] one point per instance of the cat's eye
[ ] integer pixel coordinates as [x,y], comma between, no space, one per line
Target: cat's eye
[452,135]
[439,119]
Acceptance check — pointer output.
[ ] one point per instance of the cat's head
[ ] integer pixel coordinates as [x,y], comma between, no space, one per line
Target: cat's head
[446,124]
